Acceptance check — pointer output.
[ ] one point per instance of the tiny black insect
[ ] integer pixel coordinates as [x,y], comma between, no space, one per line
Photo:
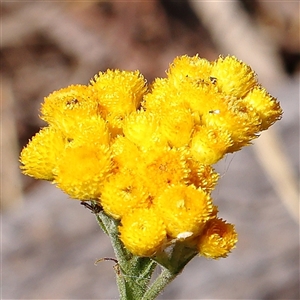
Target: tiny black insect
[92,206]
[213,80]
[72,103]
[215,111]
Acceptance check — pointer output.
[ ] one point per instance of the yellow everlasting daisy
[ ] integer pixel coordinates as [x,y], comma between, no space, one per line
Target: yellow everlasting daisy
[184,209]
[125,154]
[68,106]
[82,169]
[40,156]
[240,121]
[267,107]
[189,67]
[177,126]
[209,144]
[145,152]
[203,97]
[232,76]
[119,92]
[123,192]
[162,167]
[143,129]
[143,232]
[90,130]
[202,176]
[217,239]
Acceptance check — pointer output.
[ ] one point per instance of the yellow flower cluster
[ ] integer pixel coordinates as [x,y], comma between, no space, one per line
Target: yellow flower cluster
[145,152]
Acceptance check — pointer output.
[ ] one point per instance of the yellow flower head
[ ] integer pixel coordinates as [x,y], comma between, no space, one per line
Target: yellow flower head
[126,155]
[233,77]
[157,99]
[122,193]
[202,97]
[242,123]
[143,232]
[142,128]
[68,106]
[115,124]
[189,67]
[82,169]
[40,156]
[209,144]
[90,130]
[119,92]
[267,107]
[192,94]
[202,176]
[184,209]
[177,126]
[145,153]
[217,239]
[162,167]
[164,97]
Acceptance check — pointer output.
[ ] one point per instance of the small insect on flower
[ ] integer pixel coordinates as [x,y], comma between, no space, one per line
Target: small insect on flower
[214,111]
[72,103]
[93,207]
[213,80]
[116,266]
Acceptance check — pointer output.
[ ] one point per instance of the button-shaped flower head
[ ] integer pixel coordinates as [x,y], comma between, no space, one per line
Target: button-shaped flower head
[217,239]
[143,232]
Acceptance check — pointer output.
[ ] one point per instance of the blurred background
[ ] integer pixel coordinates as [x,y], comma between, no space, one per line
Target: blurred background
[49,242]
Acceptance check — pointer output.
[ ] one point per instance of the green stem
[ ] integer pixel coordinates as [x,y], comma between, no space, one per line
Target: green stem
[165,277]
[133,272]
[100,223]
[111,228]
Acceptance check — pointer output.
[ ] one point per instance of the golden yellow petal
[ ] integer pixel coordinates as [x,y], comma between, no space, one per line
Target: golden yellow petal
[160,168]
[39,157]
[82,169]
[123,192]
[163,97]
[202,176]
[177,125]
[233,77]
[90,130]
[119,92]
[142,128]
[267,107]
[68,106]
[217,239]
[209,144]
[184,209]
[193,67]
[125,154]
[238,120]
[143,232]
